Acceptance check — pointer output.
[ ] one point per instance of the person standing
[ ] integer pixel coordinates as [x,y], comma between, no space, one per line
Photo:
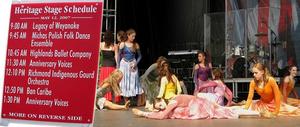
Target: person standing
[202,71]
[130,84]
[109,52]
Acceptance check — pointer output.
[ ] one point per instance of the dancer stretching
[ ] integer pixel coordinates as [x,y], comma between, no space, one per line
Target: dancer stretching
[111,83]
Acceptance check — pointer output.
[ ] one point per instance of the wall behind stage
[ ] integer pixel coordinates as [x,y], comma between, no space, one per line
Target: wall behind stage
[165,25]
[4,14]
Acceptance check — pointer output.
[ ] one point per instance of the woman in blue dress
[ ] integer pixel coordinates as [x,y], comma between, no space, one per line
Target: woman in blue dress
[130,84]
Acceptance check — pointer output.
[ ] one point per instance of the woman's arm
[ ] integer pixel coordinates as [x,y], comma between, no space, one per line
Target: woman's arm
[122,44]
[195,70]
[284,89]
[163,83]
[228,95]
[139,54]
[250,94]
[276,95]
[150,69]
[116,48]
[295,93]
[212,84]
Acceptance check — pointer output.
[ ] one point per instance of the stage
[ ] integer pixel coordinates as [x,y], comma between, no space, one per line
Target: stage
[111,118]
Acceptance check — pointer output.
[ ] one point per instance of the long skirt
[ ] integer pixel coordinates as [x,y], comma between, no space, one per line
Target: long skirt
[104,73]
[151,88]
[213,97]
[285,109]
[130,83]
[198,108]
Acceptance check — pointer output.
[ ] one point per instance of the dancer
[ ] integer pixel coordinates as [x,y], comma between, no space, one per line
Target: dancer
[109,52]
[121,37]
[220,90]
[269,105]
[288,87]
[187,107]
[150,82]
[111,83]
[130,84]
[202,71]
[169,84]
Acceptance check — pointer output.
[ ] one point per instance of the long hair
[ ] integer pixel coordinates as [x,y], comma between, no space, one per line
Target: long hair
[108,39]
[289,70]
[166,71]
[128,33]
[266,75]
[113,80]
[205,55]
[122,35]
[160,61]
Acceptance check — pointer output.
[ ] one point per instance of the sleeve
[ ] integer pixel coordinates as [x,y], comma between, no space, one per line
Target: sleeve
[139,56]
[212,84]
[250,94]
[195,75]
[228,95]
[163,83]
[179,90]
[150,69]
[276,95]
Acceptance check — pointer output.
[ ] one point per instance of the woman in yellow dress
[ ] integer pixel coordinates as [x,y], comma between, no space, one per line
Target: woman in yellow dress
[169,84]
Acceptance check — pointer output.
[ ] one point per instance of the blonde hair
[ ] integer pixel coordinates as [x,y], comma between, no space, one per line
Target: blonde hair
[266,75]
[113,81]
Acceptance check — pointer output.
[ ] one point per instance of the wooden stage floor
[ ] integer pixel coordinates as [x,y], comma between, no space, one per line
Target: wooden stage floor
[110,118]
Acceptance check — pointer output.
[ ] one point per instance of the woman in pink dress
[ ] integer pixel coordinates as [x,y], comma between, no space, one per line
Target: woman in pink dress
[188,107]
[220,90]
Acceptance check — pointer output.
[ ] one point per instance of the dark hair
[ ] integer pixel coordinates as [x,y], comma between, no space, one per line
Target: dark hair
[108,38]
[123,36]
[160,61]
[166,71]
[205,55]
[289,69]
[157,100]
[129,32]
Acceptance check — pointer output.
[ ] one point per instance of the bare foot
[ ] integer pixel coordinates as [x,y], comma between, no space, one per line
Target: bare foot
[126,105]
[137,112]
